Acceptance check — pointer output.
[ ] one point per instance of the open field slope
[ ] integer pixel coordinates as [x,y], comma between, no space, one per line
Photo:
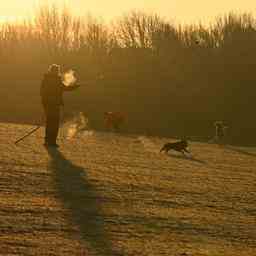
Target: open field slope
[109,194]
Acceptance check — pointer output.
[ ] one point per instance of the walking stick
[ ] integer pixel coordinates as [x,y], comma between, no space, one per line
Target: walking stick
[28,134]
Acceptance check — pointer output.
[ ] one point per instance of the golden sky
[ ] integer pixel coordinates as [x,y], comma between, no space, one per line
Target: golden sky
[181,11]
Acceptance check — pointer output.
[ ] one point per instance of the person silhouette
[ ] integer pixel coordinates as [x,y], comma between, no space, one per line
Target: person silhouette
[51,92]
[220,131]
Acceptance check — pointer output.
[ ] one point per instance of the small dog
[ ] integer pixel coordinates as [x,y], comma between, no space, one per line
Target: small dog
[180,146]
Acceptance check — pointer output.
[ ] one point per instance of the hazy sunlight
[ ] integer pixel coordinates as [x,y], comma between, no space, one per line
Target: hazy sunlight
[181,11]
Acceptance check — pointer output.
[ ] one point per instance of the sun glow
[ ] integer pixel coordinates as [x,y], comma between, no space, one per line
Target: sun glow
[11,19]
[181,11]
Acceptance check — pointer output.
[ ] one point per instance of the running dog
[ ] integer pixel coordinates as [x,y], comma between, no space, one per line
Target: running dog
[180,146]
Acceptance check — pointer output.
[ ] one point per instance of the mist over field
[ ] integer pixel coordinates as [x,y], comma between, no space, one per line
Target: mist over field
[170,80]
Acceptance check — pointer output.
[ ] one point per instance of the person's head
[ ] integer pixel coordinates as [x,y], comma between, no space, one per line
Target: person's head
[54,69]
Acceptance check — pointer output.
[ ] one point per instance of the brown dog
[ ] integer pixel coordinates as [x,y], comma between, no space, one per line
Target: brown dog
[114,120]
[180,146]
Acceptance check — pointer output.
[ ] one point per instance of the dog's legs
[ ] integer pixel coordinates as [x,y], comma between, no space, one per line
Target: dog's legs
[187,151]
[166,151]
[163,149]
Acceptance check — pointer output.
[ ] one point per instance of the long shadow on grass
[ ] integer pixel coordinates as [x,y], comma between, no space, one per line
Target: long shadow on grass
[187,158]
[78,196]
[241,151]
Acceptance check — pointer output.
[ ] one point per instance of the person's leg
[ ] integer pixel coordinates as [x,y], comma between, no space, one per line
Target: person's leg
[47,123]
[54,124]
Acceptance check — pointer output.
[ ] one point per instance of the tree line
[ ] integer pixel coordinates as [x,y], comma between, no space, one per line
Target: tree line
[171,80]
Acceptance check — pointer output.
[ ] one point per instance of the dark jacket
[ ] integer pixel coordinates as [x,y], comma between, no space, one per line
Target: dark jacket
[52,89]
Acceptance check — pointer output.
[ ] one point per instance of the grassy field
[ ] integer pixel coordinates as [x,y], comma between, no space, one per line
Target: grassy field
[108,194]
